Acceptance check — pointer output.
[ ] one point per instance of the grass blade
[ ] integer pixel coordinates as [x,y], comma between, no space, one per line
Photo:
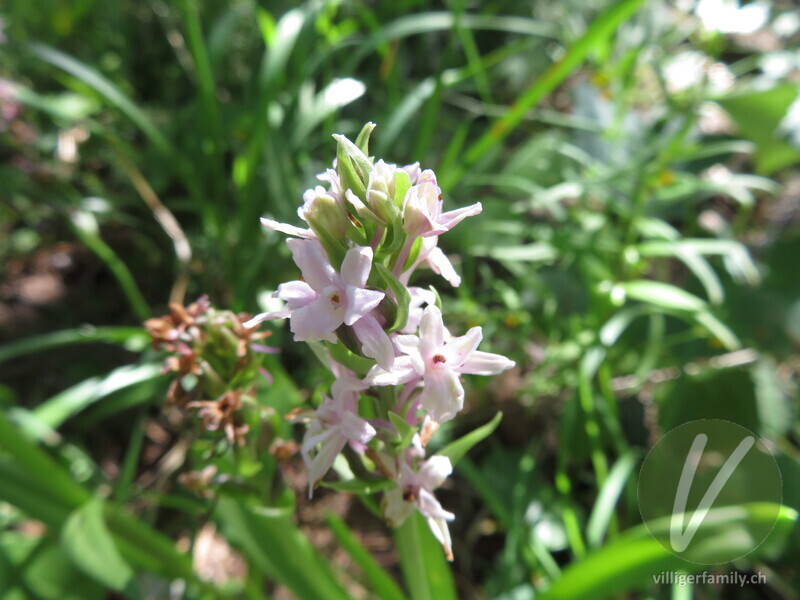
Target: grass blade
[631,560]
[600,29]
[380,583]
[278,549]
[426,572]
[603,510]
[106,89]
[134,339]
[70,402]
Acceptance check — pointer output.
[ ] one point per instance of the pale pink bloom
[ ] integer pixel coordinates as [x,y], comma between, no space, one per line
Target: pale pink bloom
[420,297]
[288,229]
[415,490]
[323,300]
[438,359]
[431,254]
[335,424]
[422,209]
[413,172]
[312,199]
[331,177]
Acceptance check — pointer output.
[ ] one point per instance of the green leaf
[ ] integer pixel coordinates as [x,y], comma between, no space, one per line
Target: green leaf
[276,548]
[457,449]
[105,88]
[337,94]
[362,141]
[39,469]
[617,324]
[405,430]
[350,359]
[70,402]
[89,545]
[87,229]
[661,294]
[631,561]
[380,583]
[401,295]
[49,574]
[601,28]
[718,329]
[758,115]
[353,166]
[603,510]
[134,339]
[426,572]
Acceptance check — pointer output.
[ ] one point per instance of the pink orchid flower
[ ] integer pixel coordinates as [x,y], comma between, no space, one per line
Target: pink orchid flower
[422,209]
[335,424]
[323,300]
[437,358]
[415,490]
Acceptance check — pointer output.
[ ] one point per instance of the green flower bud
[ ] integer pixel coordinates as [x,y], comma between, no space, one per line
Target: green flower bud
[352,164]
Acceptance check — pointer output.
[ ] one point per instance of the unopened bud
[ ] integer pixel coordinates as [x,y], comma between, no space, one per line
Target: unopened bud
[352,165]
[323,213]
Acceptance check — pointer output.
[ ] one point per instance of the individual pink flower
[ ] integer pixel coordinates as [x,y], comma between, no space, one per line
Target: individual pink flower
[422,209]
[438,359]
[415,490]
[323,300]
[431,254]
[420,297]
[335,424]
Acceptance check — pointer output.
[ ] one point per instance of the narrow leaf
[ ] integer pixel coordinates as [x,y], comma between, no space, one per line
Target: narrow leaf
[401,295]
[457,449]
[90,546]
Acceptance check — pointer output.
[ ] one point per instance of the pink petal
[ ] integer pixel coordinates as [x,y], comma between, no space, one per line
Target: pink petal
[313,263]
[317,321]
[360,302]
[323,459]
[486,363]
[357,429]
[374,341]
[459,349]
[435,470]
[431,332]
[360,207]
[401,372]
[288,229]
[441,265]
[442,533]
[395,509]
[356,266]
[452,218]
[407,344]
[296,294]
[431,508]
[259,319]
[442,396]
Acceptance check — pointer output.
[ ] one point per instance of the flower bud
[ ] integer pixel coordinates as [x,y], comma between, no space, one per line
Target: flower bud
[322,212]
[380,192]
[352,165]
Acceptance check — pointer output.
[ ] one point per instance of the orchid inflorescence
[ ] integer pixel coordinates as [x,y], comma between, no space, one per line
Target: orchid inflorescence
[396,365]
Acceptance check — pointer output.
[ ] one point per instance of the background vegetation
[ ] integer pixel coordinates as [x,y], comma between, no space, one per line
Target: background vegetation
[637,257]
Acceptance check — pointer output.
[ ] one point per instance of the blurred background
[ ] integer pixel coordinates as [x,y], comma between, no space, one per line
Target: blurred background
[637,257]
